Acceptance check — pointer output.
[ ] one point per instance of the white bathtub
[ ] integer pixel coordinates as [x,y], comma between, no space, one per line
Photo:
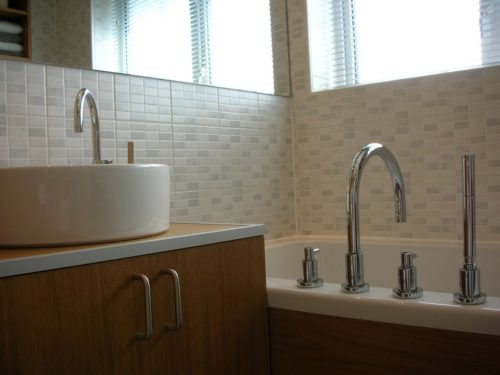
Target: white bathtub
[437,273]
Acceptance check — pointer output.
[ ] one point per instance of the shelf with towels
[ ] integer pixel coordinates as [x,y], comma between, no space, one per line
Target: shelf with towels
[15,30]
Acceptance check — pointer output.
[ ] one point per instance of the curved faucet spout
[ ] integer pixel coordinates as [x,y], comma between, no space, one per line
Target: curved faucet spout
[85,95]
[354,258]
[353,183]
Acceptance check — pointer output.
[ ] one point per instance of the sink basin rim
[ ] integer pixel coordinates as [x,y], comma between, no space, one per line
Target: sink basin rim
[60,205]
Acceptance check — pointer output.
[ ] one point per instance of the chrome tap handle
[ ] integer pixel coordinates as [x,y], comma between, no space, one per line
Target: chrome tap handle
[310,269]
[407,278]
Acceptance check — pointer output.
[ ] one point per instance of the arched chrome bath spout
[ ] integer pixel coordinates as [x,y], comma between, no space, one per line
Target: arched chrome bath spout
[354,258]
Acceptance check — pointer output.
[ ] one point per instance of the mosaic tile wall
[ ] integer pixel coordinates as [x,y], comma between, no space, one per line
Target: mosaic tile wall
[428,123]
[230,151]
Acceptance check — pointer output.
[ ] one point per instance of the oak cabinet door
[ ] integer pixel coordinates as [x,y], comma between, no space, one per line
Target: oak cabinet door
[78,320]
[197,345]
[122,315]
[50,323]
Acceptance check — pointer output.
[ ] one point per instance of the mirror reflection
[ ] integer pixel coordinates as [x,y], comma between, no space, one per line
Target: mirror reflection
[239,44]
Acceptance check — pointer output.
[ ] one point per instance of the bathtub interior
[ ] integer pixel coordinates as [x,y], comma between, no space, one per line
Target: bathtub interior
[437,263]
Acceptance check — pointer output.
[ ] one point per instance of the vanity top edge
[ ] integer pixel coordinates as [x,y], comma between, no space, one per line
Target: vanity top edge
[18,261]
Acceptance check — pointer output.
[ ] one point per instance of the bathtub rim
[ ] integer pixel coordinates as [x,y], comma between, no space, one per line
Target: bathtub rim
[370,240]
[433,310]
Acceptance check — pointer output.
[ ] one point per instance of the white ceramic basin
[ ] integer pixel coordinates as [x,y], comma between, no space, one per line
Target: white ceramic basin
[58,205]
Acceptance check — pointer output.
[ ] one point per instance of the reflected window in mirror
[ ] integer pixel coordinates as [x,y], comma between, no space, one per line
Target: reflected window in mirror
[225,43]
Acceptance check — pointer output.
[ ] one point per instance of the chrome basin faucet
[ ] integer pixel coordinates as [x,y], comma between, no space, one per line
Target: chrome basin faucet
[355,282]
[85,95]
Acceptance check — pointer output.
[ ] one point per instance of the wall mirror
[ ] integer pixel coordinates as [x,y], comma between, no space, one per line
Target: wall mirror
[240,44]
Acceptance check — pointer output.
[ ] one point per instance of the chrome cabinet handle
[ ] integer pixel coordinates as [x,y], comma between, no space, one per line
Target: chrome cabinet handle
[178,305]
[147,297]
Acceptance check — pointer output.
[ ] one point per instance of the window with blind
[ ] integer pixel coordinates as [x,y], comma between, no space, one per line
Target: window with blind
[225,43]
[363,41]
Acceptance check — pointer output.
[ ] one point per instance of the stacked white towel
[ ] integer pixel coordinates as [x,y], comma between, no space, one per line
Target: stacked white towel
[10,27]
[11,47]
[10,38]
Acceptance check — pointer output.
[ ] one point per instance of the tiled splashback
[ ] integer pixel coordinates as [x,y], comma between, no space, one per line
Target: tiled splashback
[428,123]
[230,151]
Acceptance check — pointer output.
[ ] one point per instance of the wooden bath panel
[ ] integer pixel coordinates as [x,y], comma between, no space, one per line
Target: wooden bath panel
[305,343]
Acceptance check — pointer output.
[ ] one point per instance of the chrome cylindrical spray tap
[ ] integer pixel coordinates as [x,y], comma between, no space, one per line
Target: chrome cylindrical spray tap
[469,284]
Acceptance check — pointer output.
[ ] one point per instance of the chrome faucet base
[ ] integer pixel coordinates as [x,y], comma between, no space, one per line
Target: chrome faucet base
[355,280]
[405,294]
[346,288]
[464,300]
[301,283]
[469,292]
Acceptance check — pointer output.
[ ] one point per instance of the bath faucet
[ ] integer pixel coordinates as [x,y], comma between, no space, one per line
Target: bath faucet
[470,291]
[85,95]
[355,282]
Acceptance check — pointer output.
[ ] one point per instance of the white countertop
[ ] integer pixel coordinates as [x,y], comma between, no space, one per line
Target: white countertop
[18,261]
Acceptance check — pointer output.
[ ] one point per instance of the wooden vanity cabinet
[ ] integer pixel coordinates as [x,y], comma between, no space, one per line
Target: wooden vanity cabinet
[84,319]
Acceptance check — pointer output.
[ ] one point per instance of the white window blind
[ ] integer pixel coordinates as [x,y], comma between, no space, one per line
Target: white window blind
[241,45]
[107,42]
[225,43]
[158,38]
[332,44]
[200,41]
[364,41]
[490,31]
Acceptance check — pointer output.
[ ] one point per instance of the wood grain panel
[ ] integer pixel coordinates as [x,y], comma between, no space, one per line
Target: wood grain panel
[122,313]
[84,320]
[196,347]
[303,343]
[48,323]
[246,329]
